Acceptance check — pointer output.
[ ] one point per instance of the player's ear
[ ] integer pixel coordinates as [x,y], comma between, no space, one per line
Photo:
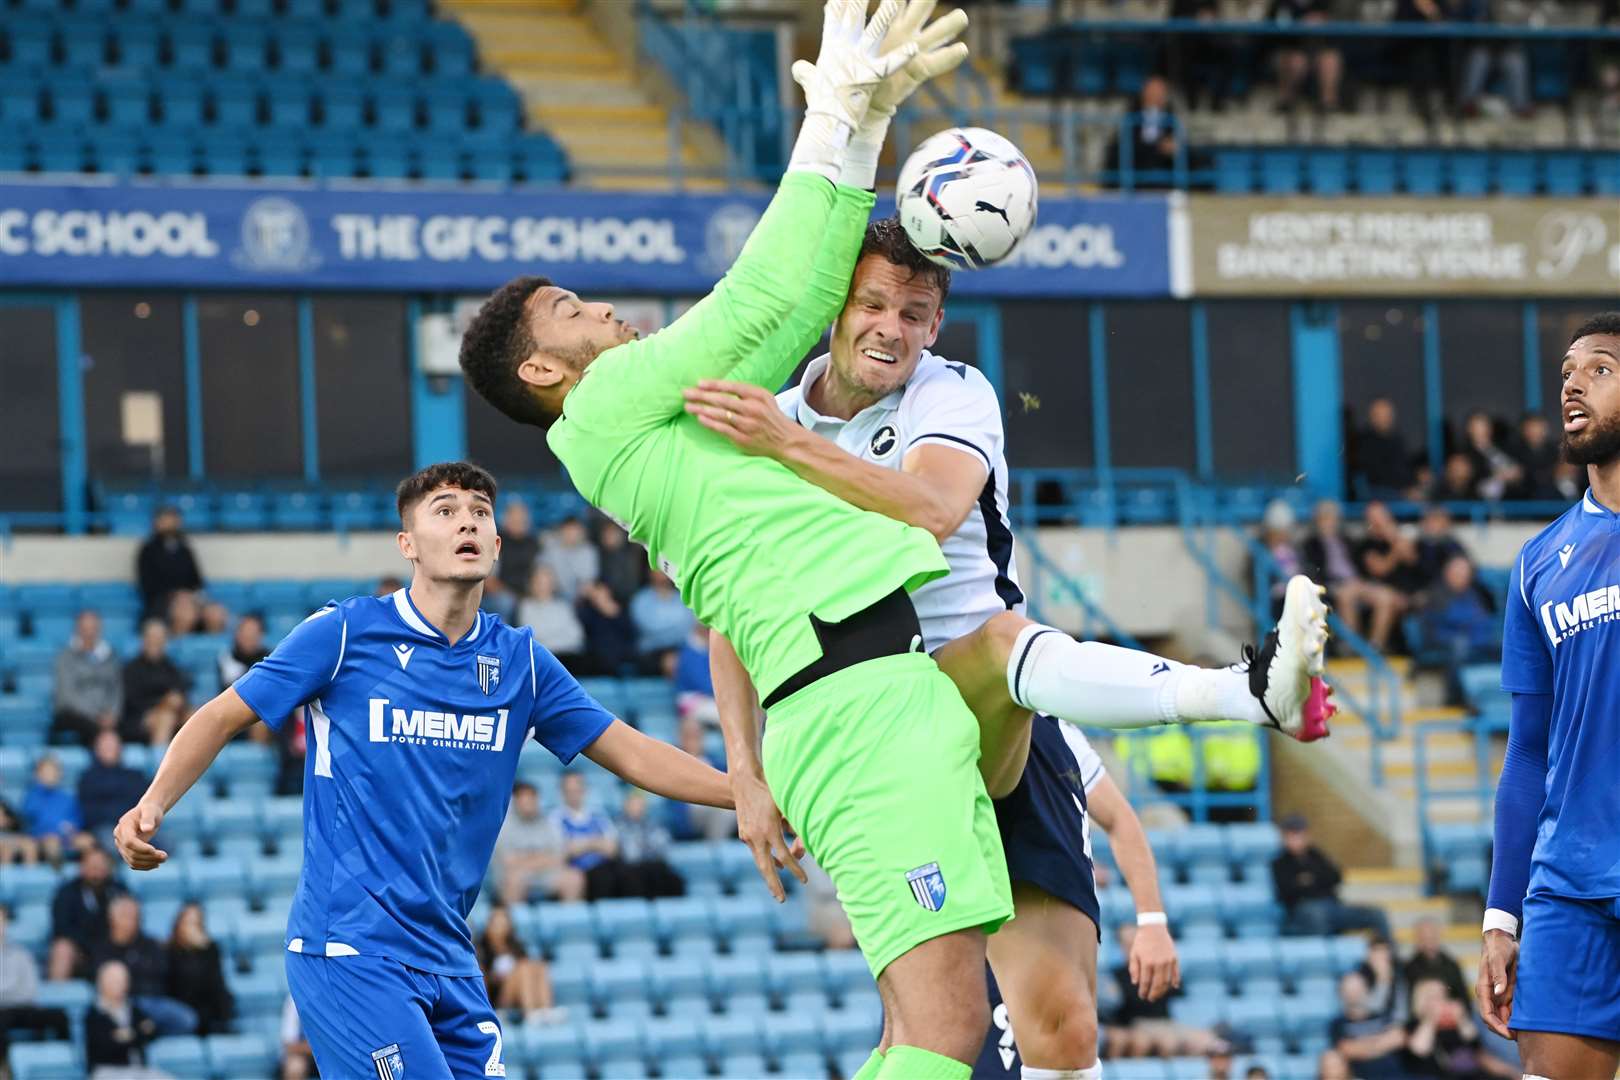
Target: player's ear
[543,370]
[407,545]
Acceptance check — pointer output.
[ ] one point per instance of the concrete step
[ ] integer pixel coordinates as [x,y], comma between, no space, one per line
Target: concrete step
[547,114]
[587,88]
[554,61]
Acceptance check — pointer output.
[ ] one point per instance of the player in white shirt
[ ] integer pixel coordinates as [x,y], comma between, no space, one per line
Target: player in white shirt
[919,439]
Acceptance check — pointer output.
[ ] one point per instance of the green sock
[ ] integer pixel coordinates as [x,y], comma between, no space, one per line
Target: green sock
[869,1071]
[913,1063]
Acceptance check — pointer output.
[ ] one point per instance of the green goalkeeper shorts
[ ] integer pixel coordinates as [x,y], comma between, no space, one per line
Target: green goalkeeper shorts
[877,768]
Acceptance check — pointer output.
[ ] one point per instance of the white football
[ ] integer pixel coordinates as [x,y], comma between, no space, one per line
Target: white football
[966,197]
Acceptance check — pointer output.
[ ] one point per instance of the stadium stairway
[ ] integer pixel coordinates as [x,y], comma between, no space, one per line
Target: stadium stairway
[582,90]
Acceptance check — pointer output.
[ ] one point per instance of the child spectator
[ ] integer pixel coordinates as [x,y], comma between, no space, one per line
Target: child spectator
[52,813]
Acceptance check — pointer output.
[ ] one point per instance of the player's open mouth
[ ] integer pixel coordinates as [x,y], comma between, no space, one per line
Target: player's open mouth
[1575,418]
[879,355]
[468,547]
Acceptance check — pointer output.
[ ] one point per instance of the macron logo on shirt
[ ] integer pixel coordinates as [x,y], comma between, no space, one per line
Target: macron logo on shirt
[443,730]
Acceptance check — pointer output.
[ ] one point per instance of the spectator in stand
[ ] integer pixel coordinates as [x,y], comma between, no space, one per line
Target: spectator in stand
[694,688]
[1496,473]
[246,649]
[1570,480]
[1459,620]
[520,547]
[1387,555]
[116,1030]
[1383,464]
[1330,1065]
[52,812]
[1307,886]
[1430,960]
[1603,109]
[1458,480]
[529,857]
[1202,62]
[388,585]
[1143,1028]
[108,787]
[644,851]
[1367,607]
[514,979]
[554,622]
[216,618]
[19,993]
[1297,56]
[1442,1039]
[623,564]
[291,744]
[1437,544]
[1537,452]
[87,691]
[572,558]
[196,972]
[154,690]
[148,965]
[1277,537]
[687,821]
[79,915]
[1383,979]
[610,634]
[1425,61]
[662,624]
[184,615]
[590,842]
[1508,56]
[1371,1044]
[165,564]
[1151,133]
[16,846]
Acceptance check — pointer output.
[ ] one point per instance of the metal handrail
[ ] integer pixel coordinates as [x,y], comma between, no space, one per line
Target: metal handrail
[1482,728]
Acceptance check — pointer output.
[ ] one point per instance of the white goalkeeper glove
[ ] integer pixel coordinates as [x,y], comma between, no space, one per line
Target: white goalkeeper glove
[838,86]
[935,56]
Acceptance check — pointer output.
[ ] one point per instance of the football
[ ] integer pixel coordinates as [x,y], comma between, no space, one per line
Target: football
[966,196]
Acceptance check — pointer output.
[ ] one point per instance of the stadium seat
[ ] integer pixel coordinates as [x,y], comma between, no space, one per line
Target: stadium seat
[1348,951]
[848,1029]
[1234,171]
[45,1061]
[30,42]
[291,107]
[1375,172]
[449,49]
[846,972]
[332,155]
[388,159]
[190,47]
[728,976]
[240,1055]
[1304,957]
[247,48]
[610,980]
[611,1039]
[72,996]
[181,1056]
[297,49]
[1469,173]
[1280,172]
[1564,174]
[1516,173]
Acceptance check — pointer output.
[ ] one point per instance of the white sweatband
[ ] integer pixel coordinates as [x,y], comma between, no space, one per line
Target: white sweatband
[821,145]
[861,156]
[1152,918]
[1497,919]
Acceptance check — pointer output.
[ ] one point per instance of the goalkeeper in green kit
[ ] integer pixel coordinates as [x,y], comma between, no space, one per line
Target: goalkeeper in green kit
[870,751]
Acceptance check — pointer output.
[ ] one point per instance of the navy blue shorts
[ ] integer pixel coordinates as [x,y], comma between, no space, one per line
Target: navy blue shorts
[1568,955]
[1043,823]
[1043,829]
[372,1018]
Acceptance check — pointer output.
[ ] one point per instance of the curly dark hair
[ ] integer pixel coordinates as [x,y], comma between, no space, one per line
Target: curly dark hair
[885,237]
[457,474]
[1607,324]
[496,342]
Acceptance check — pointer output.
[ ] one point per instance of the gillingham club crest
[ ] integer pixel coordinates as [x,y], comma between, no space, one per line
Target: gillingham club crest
[927,886]
[390,1062]
[489,673]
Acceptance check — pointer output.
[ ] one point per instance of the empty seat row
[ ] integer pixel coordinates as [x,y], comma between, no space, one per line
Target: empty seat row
[531,158]
[1333,171]
[216,1057]
[139,44]
[442,106]
[364,11]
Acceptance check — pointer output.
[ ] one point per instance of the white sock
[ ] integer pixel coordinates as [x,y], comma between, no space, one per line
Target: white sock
[1098,685]
[1093,1073]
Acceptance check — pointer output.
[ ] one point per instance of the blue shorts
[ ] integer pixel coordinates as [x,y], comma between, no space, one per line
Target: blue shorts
[372,1018]
[1043,823]
[1569,952]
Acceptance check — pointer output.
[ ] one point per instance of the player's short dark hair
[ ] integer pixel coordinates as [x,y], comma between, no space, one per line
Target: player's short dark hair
[887,239]
[457,474]
[496,342]
[1607,324]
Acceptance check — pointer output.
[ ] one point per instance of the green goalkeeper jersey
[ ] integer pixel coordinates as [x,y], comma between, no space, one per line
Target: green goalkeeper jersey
[753,549]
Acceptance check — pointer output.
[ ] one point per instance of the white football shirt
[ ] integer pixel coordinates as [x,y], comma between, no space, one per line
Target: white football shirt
[947,404]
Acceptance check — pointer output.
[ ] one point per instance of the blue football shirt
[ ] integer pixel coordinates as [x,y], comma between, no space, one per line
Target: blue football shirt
[413,747]
[1562,637]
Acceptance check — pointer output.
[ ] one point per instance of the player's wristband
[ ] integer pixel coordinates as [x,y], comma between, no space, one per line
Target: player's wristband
[1497,919]
[1152,918]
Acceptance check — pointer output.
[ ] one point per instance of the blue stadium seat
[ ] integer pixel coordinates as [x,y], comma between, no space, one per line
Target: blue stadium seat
[559,923]
[72,102]
[611,980]
[724,1036]
[190,46]
[794,1033]
[1304,957]
[1193,901]
[45,1061]
[1606,174]
[349,52]
[235,103]
[1138,1069]
[1375,172]
[1234,171]
[728,976]
[849,1029]
[259,932]
[449,49]
[264,989]
[297,49]
[180,102]
[1280,172]
[498,106]
[388,159]
[332,155]
[608,1039]
[1516,173]
[136,47]
[291,107]
[745,1065]
[1469,172]
[538,160]
[1348,951]
[299,511]
[241,1055]
[1251,842]
[787,972]
[689,1009]
[1564,174]
[30,42]
[61,153]
[181,1056]
[803,1066]
[735,916]
[401,55]
[247,47]
[72,996]
[846,972]
[1202,959]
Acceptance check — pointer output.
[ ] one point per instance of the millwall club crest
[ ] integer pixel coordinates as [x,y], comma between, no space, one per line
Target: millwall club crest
[489,673]
[884,440]
[390,1062]
[927,886]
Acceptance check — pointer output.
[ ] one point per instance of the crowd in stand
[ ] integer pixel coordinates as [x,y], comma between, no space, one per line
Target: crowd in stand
[1486,462]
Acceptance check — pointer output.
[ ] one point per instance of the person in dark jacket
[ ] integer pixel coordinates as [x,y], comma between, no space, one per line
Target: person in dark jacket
[148,966]
[165,564]
[79,915]
[108,787]
[1307,885]
[116,1031]
[1382,464]
[1367,607]
[196,973]
[154,690]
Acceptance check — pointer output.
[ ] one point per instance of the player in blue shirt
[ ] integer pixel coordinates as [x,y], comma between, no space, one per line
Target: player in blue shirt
[1555,881]
[417,706]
